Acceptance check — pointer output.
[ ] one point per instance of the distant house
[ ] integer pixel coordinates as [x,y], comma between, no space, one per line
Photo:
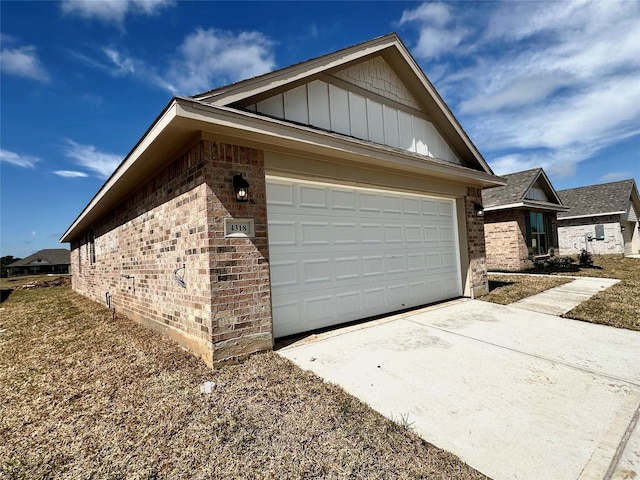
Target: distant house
[520,220]
[333,190]
[53,260]
[601,218]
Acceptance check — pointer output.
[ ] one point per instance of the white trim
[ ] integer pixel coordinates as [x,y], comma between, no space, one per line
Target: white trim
[592,215]
[190,115]
[528,204]
[152,134]
[280,133]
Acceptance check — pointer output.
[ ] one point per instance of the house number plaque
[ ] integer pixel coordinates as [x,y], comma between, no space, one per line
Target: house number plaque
[239,228]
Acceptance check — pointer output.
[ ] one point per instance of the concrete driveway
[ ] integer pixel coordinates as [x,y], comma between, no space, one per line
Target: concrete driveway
[515,394]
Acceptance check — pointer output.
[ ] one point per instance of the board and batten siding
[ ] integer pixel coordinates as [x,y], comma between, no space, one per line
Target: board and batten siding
[330,107]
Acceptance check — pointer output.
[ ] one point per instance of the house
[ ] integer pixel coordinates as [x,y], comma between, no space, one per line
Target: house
[329,191]
[603,219]
[53,260]
[520,220]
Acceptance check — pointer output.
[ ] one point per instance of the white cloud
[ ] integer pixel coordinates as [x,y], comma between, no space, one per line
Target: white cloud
[23,62]
[70,174]
[436,13]
[210,58]
[539,83]
[17,159]
[438,33]
[113,11]
[520,92]
[89,157]
[124,65]
[206,59]
[615,176]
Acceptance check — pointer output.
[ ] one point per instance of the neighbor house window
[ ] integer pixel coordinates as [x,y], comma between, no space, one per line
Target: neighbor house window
[538,233]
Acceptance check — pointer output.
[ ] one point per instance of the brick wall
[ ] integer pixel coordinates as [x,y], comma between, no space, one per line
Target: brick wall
[475,243]
[571,235]
[173,220]
[241,291]
[505,238]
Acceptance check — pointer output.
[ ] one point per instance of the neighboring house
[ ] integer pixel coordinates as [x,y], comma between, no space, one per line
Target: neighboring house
[520,220]
[329,191]
[55,260]
[603,219]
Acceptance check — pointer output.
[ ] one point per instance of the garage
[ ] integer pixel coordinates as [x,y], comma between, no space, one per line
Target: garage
[340,253]
[360,195]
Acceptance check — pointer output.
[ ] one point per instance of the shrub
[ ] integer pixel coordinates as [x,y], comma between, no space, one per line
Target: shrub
[585,259]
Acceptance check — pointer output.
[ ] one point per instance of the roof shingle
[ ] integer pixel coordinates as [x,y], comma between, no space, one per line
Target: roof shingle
[597,199]
[514,191]
[52,256]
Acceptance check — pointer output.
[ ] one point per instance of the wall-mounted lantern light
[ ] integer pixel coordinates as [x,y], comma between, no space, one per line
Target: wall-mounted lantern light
[479,209]
[241,186]
[622,228]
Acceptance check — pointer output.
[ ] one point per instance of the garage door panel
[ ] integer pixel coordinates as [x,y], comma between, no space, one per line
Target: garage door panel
[284,273]
[279,193]
[396,264]
[341,253]
[398,294]
[313,197]
[349,304]
[319,309]
[429,207]
[375,299]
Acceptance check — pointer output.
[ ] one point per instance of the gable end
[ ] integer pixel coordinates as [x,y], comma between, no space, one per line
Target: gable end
[365,101]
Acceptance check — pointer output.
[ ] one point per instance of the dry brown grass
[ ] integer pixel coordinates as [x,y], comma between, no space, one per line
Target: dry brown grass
[87,396]
[617,306]
[505,289]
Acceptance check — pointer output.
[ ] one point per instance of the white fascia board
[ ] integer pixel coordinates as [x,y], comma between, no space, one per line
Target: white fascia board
[276,132]
[156,129]
[443,106]
[592,215]
[192,115]
[255,86]
[528,204]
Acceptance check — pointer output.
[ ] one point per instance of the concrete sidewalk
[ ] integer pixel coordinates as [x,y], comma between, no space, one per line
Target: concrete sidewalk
[559,300]
[515,395]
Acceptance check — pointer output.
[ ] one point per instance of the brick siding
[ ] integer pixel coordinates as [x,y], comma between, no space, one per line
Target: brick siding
[475,243]
[177,218]
[505,237]
[175,222]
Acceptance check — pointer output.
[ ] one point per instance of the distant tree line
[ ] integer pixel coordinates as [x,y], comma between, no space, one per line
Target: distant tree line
[4,261]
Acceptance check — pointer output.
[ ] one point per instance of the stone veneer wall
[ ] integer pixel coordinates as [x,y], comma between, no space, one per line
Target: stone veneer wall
[176,218]
[475,244]
[572,240]
[505,234]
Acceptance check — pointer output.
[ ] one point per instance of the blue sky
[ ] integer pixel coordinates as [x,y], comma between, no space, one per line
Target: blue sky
[551,84]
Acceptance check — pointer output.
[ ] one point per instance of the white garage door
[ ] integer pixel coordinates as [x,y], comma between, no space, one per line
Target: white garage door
[340,253]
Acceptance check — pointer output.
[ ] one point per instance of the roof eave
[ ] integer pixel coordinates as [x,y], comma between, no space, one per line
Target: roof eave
[390,46]
[193,117]
[282,132]
[528,204]
[599,214]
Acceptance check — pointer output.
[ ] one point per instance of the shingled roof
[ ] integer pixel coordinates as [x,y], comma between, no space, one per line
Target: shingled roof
[601,199]
[512,195]
[52,256]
